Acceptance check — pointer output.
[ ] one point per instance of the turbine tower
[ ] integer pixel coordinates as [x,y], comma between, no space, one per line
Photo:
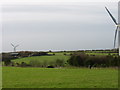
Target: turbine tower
[14,47]
[119,26]
[117,29]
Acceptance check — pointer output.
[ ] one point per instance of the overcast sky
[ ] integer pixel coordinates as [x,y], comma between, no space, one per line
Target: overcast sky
[58,26]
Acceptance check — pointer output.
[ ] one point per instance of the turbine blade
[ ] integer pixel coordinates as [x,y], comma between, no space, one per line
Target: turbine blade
[16,45]
[111,16]
[115,36]
[12,45]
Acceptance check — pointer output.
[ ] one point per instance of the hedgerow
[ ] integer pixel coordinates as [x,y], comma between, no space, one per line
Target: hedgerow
[84,60]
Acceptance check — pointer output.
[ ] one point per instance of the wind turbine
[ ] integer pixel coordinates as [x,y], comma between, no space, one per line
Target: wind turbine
[116,31]
[14,47]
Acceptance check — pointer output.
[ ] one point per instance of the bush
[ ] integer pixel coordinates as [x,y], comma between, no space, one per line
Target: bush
[12,64]
[50,66]
[59,62]
[6,57]
[23,64]
[7,62]
[65,54]
[77,59]
[35,63]
[53,53]
[17,64]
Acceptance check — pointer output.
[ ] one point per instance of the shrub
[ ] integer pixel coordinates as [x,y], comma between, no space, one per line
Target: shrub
[59,62]
[53,53]
[7,62]
[50,66]
[77,59]
[65,54]
[35,63]
[23,64]
[6,57]
[17,64]
[12,64]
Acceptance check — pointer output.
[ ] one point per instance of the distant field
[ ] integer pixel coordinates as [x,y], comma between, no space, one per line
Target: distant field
[16,77]
[43,58]
[58,55]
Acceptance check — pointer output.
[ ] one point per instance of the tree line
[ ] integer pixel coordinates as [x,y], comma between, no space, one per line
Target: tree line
[85,60]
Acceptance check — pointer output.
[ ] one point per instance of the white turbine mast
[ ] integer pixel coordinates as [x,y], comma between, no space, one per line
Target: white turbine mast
[14,47]
[116,31]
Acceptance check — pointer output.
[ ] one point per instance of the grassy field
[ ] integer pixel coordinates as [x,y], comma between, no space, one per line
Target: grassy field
[51,58]
[16,77]
[43,58]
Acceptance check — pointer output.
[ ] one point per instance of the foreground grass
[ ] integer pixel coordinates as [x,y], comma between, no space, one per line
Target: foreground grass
[16,77]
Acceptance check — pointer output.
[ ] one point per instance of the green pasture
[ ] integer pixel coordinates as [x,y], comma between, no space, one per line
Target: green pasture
[50,59]
[18,77]
[43,58]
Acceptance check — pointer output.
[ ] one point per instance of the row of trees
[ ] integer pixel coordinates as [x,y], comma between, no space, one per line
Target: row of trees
[84,60]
